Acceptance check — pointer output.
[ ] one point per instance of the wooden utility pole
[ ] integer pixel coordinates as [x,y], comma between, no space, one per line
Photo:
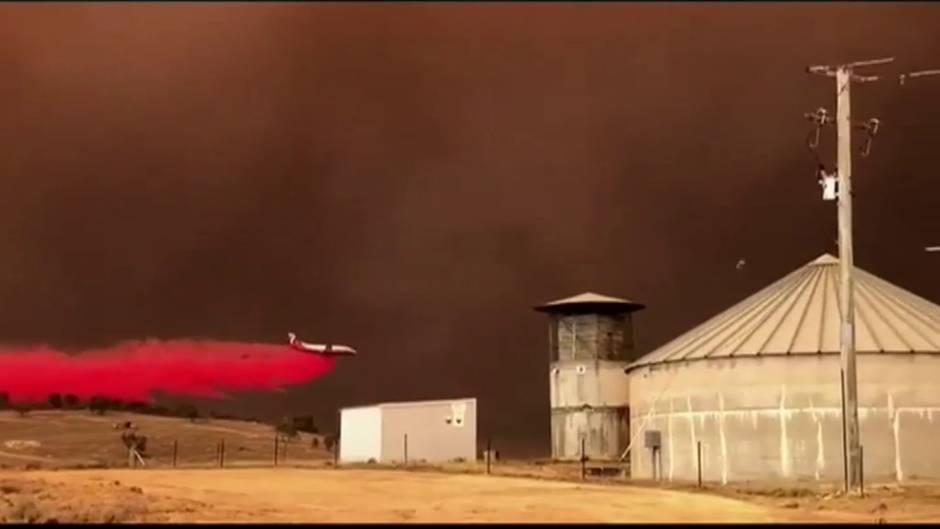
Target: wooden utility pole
[846,261]
[844,76]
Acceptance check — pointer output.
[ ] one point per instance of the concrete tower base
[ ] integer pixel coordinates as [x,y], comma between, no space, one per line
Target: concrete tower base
[605,432]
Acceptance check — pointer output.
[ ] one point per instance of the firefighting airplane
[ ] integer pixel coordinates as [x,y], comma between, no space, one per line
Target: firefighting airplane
[318,349]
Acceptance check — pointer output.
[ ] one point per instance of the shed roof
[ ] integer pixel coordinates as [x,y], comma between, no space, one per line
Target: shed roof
[590,302]
[800,314]
[411,403]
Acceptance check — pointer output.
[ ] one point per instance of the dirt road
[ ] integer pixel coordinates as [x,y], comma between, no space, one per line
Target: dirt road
[254,495]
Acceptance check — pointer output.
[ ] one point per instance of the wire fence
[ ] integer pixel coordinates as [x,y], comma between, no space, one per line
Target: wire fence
[231,451]
[278,450]
[69,439]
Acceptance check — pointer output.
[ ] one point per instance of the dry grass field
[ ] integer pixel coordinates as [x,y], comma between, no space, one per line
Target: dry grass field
[66,466]
[306,495]
[56,439]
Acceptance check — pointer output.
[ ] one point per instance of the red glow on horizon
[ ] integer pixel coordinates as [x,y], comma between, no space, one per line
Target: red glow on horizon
[133,371]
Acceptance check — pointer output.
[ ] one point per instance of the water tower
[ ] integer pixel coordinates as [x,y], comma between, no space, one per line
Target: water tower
[590,344]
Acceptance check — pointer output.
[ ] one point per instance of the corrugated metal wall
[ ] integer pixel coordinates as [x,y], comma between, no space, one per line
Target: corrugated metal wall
[780,417]
[360,434]
[437,431]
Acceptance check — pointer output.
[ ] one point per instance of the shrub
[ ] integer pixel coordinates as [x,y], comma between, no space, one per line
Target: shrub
[287,430]
[55,400]
[25,511]
[138,407]
[158,410]
[188,411]
[72,401]
[99,405]
[305,424]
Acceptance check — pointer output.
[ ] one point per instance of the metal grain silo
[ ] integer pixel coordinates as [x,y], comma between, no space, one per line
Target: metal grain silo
[590,345]
[755,393]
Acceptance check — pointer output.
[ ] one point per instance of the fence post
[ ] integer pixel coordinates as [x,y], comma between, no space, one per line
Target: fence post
[653,463]
[583,461]
[284,456]
[699,449]
[339,433]
[845,446]
[489,454]
[659,454]
[861,470]
[275,448]
[659,458]
[406,448]
[222,453]
[175,450]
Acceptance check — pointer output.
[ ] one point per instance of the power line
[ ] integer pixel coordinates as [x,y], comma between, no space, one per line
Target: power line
[913,75]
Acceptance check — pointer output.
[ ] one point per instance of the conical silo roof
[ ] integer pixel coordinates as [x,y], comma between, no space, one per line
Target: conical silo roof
[590,302]
[800,314]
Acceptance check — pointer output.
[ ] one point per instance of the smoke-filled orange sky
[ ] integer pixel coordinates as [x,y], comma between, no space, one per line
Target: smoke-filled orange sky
[410,179]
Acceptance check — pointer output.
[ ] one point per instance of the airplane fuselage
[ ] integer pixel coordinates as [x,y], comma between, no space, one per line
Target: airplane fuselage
[319,349]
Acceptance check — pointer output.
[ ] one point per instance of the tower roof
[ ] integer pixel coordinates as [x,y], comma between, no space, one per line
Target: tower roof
[589,302]
[800,314]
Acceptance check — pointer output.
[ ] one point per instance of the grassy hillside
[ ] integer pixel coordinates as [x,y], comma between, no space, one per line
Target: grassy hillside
[55,439]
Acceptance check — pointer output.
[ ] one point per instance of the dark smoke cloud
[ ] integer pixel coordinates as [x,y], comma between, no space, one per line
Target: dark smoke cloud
[411,178]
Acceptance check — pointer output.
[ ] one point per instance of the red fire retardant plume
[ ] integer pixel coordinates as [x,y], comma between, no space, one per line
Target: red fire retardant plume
[133,371]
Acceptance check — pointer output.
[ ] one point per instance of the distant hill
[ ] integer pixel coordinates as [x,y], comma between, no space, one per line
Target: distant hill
[78,438]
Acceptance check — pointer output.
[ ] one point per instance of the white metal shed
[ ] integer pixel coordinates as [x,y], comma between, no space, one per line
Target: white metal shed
[431,431]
